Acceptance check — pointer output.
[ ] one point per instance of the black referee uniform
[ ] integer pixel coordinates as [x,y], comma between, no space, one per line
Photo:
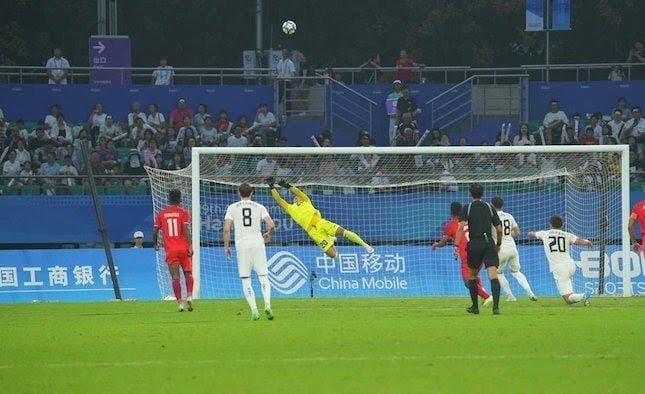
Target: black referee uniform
[481,218]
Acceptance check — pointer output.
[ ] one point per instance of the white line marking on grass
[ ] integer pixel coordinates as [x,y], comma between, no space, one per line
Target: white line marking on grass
[321,359]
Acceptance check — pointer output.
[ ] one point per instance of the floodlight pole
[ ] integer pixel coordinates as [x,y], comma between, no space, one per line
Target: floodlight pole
[548,38]
[100,219]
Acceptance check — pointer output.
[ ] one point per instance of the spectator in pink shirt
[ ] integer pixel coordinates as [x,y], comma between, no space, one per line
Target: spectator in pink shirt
[178,114]
[150,152]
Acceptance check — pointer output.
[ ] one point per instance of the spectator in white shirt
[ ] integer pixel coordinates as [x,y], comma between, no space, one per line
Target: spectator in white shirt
[198,119]
[187,131]
[26,174]
[156,118]
[22,154]
[61,132]
[523,138]
[595,125]
[136,113]
[164,74]
[138,131]
[21,130]
[12,166]
[237,140]
[57,67]
[286,70]
[50,167]
[52,118]
[553,123]
[616,124]
[635,126]
[266,167]
[208,132]
[97,117]
[108,129]
[267,123]
[621,104]
[68,169]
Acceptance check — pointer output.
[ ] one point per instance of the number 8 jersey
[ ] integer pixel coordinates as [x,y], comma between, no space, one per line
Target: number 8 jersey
[557,247]
[508,224]
[247,217]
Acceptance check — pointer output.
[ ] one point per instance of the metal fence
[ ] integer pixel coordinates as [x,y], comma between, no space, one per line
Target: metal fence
[350,75]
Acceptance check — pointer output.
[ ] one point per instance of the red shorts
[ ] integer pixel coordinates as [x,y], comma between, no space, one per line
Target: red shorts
[180,257]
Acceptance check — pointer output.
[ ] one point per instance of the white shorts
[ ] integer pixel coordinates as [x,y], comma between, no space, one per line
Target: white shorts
[508,257]
[563,275]
[252,259]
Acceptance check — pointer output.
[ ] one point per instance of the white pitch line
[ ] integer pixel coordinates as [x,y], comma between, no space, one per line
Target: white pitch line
[312,360]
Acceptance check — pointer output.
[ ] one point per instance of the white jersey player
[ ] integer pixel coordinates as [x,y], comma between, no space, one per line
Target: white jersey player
[508,255]
[557,247]
[246,217]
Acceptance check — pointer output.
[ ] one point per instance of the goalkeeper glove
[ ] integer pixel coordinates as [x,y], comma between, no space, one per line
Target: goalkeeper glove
[284,184]
[270,181]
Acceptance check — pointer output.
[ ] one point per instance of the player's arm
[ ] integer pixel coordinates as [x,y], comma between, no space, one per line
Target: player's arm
[442,242]
[296,192]
[189,238]
[228,223]
[532,235]
[155,237]
[632,236]
[270,229]
[583,242]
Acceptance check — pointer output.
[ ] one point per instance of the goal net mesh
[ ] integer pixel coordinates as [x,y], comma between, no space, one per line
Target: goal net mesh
[399,203]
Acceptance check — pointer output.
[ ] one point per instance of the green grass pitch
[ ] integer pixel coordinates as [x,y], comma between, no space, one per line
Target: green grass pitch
[420,345]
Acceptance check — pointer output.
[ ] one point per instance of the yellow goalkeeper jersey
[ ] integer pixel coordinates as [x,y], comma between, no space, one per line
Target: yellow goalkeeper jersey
[303,213]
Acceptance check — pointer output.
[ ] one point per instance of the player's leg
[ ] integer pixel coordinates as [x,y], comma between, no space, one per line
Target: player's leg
[491,261]
[187,267]
[474,261]
[323,240]
[244,268]
[503,282]
[514,265]
[173,267]
[334,229]
[260,267]
[465,274]
[564,284]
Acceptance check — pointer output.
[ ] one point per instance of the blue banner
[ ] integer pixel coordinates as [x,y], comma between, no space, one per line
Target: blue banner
[418,216]
[561,14]
[76,275]
[393,271]
[534,15]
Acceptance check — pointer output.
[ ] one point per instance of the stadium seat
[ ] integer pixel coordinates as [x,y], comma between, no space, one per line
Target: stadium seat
[136,190]
[77,190]
[114,190]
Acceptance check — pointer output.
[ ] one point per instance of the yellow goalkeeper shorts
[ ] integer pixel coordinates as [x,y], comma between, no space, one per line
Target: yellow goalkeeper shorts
[322,233]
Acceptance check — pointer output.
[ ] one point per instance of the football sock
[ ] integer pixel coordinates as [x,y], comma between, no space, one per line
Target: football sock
[355,238]
[176,288]
[249,294]
[503,282]
[265,285]
[472,286]
[494,286]
[575,297]
[189,284]
[521,279]
[480,289]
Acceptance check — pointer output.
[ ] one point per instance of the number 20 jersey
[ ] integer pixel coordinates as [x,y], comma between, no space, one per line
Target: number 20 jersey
[247,217]
[557,246]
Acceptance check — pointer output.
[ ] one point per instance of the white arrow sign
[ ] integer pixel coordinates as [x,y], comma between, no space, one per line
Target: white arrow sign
[99,47]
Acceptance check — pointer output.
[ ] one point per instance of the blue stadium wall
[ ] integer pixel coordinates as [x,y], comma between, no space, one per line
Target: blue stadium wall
[31,102]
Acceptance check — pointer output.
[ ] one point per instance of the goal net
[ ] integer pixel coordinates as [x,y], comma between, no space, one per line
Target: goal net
[398,200]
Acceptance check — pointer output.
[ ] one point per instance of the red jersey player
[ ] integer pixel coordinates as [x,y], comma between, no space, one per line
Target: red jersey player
[449,233]
[638,212]
[174,223]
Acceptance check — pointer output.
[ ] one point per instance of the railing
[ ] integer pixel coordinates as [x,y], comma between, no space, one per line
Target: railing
[349,108]
[143,75]
[458,102]
[452,74]
[73,185]
[435,74]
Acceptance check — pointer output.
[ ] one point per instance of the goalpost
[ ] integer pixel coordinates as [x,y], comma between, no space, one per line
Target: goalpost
[398,199]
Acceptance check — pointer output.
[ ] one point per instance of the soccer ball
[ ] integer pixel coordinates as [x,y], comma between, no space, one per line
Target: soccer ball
[289,27]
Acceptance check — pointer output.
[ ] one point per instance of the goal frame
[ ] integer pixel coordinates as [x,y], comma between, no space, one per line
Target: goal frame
[196,153]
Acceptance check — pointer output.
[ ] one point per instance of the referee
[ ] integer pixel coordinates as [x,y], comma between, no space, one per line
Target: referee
[481,217]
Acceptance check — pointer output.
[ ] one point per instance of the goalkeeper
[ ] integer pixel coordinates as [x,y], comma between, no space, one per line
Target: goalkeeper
[303,212]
